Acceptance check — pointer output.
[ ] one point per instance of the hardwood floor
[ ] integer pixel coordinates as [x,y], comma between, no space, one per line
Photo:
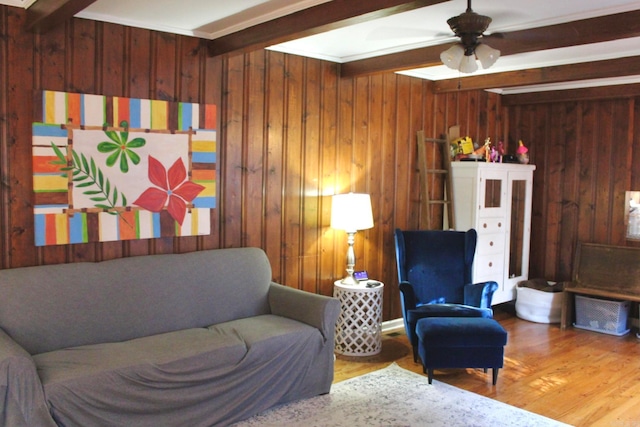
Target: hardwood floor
[575,376]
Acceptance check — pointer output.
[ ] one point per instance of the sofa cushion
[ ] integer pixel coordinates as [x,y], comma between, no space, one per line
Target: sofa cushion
[171,379]
[198,348]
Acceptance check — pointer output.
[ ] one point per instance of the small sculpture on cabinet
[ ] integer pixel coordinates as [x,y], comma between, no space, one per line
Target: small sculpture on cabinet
[522,153]
[501,151]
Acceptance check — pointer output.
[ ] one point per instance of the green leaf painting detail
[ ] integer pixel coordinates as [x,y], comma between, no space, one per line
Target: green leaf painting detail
[87,175]
[121,149]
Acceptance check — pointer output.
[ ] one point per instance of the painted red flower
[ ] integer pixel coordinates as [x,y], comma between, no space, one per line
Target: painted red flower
[173,186]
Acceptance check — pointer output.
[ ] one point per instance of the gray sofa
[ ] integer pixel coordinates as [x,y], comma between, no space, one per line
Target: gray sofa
[198,339]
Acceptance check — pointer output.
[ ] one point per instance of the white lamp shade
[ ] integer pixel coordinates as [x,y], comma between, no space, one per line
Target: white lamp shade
[351,212]
[468,64]
[452,56]
[487,55]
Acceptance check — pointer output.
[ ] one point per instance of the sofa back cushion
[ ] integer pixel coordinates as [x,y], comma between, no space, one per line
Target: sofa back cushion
[50,307]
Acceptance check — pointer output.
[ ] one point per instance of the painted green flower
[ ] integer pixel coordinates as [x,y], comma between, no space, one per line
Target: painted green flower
[121,148]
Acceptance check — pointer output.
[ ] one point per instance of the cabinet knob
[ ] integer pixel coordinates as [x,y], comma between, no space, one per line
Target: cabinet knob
[499,224]
[490,264]
[491,243]
[484,225]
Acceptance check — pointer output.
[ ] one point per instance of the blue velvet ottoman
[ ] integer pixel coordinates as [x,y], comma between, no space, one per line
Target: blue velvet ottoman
[460,342]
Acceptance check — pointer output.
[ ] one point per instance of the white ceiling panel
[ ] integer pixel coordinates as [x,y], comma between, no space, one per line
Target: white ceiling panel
[422,27]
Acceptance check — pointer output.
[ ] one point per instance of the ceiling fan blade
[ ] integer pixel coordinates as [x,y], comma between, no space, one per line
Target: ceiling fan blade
[498,35]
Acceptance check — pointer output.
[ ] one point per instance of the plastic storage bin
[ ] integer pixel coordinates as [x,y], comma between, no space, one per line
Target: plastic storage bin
[601,315]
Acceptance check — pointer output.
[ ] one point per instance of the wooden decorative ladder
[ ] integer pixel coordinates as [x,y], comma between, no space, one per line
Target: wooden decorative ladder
[439,151]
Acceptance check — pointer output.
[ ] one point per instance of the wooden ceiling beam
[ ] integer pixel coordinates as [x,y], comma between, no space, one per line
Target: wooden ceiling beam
[314,20]
[399,61]
[628,66]
[585,31]
[44,15]
[583,94]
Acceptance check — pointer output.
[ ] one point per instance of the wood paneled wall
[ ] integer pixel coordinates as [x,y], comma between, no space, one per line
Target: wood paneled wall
[88,57]
[295,134]
[587,155]
[292,133]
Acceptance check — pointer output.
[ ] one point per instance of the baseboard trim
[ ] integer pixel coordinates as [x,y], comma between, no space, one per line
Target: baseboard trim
[392,325]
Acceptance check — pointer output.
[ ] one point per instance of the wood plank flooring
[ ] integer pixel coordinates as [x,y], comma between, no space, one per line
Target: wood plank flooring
[575,376]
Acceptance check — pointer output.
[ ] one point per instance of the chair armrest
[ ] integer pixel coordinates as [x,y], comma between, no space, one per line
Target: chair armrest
[20,388]
[409,300]
[315,310]
[480,294]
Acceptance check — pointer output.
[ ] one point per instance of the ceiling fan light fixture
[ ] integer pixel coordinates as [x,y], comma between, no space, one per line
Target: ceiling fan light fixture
[452,57]
[468,64]
[469,26]
[487,55]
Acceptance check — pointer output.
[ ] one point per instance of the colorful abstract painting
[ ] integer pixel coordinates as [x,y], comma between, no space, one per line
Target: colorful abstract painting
[110,168]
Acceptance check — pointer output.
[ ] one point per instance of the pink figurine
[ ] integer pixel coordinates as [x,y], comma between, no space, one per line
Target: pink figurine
[522,153]
[495,157]
[501,151]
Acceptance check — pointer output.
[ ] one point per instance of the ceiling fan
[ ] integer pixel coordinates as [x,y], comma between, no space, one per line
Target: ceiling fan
[470,27]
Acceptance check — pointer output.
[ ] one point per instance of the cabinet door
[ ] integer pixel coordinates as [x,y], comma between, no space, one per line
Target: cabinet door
[520,184]
[493,190]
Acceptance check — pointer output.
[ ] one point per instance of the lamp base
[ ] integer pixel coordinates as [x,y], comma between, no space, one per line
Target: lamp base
[350,280]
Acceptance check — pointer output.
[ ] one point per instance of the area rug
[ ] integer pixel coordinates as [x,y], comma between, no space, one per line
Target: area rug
[396,397]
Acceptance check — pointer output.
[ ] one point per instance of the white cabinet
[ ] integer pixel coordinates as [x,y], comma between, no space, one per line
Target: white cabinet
[495,199]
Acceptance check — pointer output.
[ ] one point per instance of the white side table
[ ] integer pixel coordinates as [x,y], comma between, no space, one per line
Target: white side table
[359,326]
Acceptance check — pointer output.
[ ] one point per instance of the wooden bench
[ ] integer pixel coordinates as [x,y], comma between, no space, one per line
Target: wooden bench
[602,271]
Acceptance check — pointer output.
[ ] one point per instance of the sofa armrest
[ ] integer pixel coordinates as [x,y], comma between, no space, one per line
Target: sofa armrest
[315,310]
[21,396]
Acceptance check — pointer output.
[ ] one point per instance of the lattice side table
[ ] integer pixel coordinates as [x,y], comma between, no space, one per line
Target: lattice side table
[359,326]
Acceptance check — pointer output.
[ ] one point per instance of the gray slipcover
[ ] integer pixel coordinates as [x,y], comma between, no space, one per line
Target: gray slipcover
[198,339]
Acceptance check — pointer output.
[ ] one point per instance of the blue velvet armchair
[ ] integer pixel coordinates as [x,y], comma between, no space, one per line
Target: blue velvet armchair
[435,277]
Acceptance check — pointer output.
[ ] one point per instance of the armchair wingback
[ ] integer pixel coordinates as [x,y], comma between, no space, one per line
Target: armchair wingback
[435,276]
[436,263]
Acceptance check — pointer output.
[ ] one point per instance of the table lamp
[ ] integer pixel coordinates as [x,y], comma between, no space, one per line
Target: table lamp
[351,212]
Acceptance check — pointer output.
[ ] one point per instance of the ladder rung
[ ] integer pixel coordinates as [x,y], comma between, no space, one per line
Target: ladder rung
[437,171]
[439,202]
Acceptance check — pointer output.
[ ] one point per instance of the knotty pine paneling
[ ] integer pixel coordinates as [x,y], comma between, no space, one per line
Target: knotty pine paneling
[291,133]
[586,154]
[300,134]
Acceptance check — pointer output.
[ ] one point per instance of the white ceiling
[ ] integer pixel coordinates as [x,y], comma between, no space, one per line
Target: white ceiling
[418,28]
[18,3]
[200,18]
